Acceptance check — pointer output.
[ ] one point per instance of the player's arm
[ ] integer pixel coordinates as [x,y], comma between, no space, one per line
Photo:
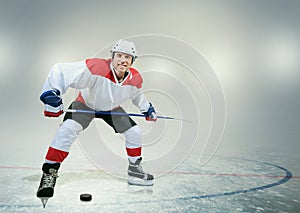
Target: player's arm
[145,107]
[61,77]
[64,75]
[53,103]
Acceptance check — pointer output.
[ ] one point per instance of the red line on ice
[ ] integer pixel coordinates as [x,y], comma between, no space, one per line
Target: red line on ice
[176,173]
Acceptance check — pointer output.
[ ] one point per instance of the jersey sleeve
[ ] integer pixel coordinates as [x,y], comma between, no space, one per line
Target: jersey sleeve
[141,101]
[64,75]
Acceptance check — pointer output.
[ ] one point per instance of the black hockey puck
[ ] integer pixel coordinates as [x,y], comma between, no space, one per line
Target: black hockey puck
[85,197]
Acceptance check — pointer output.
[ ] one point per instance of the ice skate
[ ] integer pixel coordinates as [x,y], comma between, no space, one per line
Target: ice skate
[136,175]
[48,180]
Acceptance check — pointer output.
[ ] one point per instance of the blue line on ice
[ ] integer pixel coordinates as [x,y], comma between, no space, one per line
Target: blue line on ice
[287,177]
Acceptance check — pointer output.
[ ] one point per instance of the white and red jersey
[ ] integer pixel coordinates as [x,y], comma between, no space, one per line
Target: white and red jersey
[98,84]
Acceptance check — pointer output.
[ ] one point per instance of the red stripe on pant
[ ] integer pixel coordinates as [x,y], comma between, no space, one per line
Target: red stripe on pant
[134,152]
[56,155]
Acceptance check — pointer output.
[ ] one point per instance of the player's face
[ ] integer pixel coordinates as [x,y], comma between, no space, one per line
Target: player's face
[121,61]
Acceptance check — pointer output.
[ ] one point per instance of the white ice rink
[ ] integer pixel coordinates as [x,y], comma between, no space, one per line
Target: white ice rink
[225,184]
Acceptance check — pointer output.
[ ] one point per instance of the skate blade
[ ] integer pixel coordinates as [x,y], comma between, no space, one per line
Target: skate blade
[139,182]
[44,201]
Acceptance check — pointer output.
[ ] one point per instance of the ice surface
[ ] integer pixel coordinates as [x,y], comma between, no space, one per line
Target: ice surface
[226,184]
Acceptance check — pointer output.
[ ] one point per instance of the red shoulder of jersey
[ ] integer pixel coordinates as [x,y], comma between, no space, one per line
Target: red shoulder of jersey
[98,66]
[135,79]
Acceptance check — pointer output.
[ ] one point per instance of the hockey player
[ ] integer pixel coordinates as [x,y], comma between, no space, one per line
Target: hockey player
[104,84]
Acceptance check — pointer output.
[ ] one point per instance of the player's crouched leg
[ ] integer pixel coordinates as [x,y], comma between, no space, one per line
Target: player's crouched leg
[136,175]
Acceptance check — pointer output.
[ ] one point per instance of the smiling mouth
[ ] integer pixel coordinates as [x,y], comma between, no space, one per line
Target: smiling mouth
[122,65]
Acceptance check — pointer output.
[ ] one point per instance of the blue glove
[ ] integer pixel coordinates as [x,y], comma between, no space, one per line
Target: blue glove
[53,103]
[150,115]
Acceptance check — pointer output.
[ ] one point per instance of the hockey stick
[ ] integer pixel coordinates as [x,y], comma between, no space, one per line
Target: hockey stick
[118,114]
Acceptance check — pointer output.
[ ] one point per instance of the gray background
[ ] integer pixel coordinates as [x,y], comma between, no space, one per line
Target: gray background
[253,46]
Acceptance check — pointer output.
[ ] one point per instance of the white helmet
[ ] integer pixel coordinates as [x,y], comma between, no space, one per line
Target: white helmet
[125,46]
